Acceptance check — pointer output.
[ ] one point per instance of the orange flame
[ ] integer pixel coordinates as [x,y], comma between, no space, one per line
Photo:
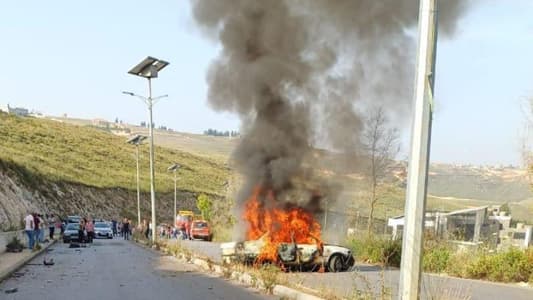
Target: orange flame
[276,225]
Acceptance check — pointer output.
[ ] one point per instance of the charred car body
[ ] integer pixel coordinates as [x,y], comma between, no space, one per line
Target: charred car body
[292,256]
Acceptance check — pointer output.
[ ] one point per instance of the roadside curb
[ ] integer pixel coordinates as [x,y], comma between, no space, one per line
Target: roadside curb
[242,277]
[5,274]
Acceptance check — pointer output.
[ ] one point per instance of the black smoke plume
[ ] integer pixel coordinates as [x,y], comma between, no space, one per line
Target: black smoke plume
[300,74]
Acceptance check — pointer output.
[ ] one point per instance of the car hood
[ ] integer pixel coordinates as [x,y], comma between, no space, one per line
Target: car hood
[328,249]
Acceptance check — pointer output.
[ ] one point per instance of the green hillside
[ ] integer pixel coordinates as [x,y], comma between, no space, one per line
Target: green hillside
[64,152]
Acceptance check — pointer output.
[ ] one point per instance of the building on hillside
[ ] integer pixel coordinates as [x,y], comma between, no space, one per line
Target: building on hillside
[100,123]
[18,111]
[499,216]
[520,236]
[397,223]
[470,225]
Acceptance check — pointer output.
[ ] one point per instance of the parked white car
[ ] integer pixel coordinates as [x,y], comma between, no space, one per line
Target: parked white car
[103,230]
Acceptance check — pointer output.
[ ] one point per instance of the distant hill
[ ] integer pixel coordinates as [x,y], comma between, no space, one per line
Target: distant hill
[492,184]
[450,186]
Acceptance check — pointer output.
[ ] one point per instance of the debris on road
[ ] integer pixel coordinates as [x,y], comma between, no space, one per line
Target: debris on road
[11,291]
[49,262]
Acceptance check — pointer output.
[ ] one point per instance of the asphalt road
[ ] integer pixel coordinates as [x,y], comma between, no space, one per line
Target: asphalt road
[116,269]
[366,278]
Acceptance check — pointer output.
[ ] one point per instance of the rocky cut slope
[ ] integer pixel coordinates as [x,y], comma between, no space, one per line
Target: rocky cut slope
[20,195]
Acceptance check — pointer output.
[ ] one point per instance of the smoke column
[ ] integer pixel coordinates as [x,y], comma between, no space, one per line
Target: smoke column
[300,73]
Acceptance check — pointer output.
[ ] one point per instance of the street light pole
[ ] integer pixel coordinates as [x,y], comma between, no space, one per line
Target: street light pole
[152,174]
[174,168]
[137,141]
[138,189]
[149,68]
[410,269]
[175,199]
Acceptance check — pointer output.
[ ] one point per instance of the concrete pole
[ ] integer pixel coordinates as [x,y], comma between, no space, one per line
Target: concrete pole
[138,189]
[410,270]
[152,173]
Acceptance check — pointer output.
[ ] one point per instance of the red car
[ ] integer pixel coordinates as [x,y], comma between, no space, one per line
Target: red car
[200,230]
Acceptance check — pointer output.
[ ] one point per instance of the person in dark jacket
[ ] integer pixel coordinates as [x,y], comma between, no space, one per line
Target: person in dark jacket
[126,229]
[81,231]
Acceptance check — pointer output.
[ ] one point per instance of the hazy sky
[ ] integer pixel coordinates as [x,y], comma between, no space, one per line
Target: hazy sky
[72,57]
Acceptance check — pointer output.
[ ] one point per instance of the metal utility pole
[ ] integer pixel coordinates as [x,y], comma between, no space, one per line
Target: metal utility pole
[149,68]
[137,141]
[175,199]
[410,270]
[174,168]
[152,174]
[138,190]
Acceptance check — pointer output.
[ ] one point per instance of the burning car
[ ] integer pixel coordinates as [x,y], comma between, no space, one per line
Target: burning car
[291,256]
[285,235]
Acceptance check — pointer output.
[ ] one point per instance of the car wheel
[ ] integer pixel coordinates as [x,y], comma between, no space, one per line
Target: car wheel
[335,263]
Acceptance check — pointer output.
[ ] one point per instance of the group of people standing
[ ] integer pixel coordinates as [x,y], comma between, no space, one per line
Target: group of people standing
[123,229]
[86,230]
[35,225]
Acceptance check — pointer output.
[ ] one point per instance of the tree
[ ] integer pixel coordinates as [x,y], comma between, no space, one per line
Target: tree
[205,205]
[381,145]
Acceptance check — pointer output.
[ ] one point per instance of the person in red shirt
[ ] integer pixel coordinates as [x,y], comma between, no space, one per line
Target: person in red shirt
[188,229]
[89,227]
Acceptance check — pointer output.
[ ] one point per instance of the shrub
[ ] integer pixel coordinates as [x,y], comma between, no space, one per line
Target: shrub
[14,245]
[436,258]
[377,250]
[269,276]
[513,265]
[458,263]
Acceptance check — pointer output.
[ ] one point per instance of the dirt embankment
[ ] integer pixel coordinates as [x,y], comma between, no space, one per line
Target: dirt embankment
[22,192]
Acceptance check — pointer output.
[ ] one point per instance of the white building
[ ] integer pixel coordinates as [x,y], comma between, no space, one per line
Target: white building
[18,111]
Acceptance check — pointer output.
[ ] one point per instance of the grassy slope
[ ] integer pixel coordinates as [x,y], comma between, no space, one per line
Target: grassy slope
[217,148]
[65,152]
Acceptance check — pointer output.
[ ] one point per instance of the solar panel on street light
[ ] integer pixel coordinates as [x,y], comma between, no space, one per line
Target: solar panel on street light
[137,139]
[149,67]
[174,167]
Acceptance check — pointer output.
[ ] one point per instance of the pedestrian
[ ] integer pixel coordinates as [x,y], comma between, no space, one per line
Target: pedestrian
[42,227]
[114,227]
[29,228]
[188,229]
[51,226]
[89,227]
[58,225]
[63,226]
[126,229]
[81,231]
[36,228]
[148,232]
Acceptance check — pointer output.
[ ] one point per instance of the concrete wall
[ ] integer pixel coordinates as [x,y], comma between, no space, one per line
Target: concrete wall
[5,238]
